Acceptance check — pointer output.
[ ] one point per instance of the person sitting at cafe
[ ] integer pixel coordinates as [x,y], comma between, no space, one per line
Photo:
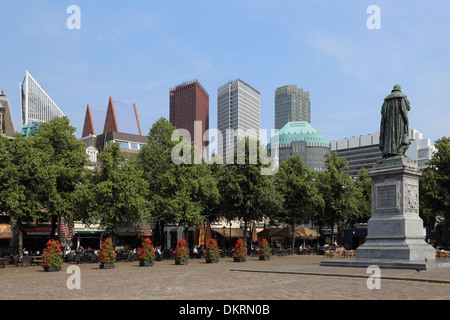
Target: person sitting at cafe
[158,255]
[195,252]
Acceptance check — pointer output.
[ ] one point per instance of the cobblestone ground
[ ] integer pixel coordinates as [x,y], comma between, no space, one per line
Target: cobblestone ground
[282,278]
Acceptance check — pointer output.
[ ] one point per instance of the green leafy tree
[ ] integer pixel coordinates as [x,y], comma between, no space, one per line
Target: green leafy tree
[26,182]
[245,193]
[299,189]
[115,193]
[363,183]
[435,190]
[182,193]
[341,197]
[67,159]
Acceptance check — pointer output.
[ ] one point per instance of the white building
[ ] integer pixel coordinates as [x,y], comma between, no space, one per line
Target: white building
[364,151]
[35,103]
[421,149]
[238,114]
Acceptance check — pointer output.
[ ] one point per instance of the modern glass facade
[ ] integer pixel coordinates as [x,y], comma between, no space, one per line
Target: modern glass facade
[291,104]
[238,114]
[35,103]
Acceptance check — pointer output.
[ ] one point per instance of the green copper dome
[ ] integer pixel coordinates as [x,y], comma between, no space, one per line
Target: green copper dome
[300,131]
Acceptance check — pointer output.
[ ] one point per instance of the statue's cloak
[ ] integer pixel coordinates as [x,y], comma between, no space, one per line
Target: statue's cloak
[394,124]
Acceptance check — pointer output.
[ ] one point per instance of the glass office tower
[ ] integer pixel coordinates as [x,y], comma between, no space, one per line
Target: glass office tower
[291,104]
[238,114]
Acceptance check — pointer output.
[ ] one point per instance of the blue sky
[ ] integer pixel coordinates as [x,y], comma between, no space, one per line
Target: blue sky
[135,51]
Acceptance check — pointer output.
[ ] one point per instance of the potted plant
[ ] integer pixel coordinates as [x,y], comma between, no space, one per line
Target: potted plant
[52,256]
[146,254]
[106,255]
[264,250]
[240,251]
[181,252]
[212,252]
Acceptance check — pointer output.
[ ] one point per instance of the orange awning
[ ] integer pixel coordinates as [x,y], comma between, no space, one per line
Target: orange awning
[5,231]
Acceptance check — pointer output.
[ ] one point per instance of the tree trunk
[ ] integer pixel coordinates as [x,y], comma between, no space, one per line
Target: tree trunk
[54,223]
[113,236]
[162,236]
[293,233]
[19,240]
[445,233]
[245,233]
[332,233]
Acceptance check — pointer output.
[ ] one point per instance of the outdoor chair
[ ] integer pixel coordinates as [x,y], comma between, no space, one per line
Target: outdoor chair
[68,257]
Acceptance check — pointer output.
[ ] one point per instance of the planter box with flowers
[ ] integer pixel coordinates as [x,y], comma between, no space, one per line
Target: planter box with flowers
[264,250]
[212,252]
[146,255]
[240,251]
[52,256]
[106,255]
[181,252]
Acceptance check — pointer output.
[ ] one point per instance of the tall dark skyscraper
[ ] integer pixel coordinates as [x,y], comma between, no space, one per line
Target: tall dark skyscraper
[291,104]
[189,102]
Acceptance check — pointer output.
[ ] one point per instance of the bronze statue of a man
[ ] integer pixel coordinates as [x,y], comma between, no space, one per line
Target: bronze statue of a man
[394,127]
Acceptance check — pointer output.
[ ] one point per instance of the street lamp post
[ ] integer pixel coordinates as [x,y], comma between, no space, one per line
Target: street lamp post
[231,245]
[351,240]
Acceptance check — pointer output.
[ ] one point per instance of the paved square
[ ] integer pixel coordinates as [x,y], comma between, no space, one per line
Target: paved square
[282,278]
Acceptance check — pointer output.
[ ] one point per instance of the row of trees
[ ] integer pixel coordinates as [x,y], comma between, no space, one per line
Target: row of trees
[47,176]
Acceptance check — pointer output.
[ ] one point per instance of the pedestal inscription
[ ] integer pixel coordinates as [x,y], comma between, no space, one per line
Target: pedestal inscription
[386,197]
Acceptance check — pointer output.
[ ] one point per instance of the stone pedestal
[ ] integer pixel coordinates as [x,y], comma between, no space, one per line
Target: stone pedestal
[395,230]
[395,234]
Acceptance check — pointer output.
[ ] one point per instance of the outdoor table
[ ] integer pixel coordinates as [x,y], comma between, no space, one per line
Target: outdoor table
[36,259]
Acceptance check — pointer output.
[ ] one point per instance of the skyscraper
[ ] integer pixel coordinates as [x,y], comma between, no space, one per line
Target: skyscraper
[189,102]
[35,103]
[291,104]
[238,114]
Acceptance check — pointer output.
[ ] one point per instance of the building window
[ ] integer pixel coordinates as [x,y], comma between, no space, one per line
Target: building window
[123,145]
[134,146]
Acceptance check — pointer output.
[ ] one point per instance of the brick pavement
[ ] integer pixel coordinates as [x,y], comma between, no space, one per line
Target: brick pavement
[282,278]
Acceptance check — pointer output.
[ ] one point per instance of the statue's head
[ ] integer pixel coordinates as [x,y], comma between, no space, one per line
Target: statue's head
[397,87]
